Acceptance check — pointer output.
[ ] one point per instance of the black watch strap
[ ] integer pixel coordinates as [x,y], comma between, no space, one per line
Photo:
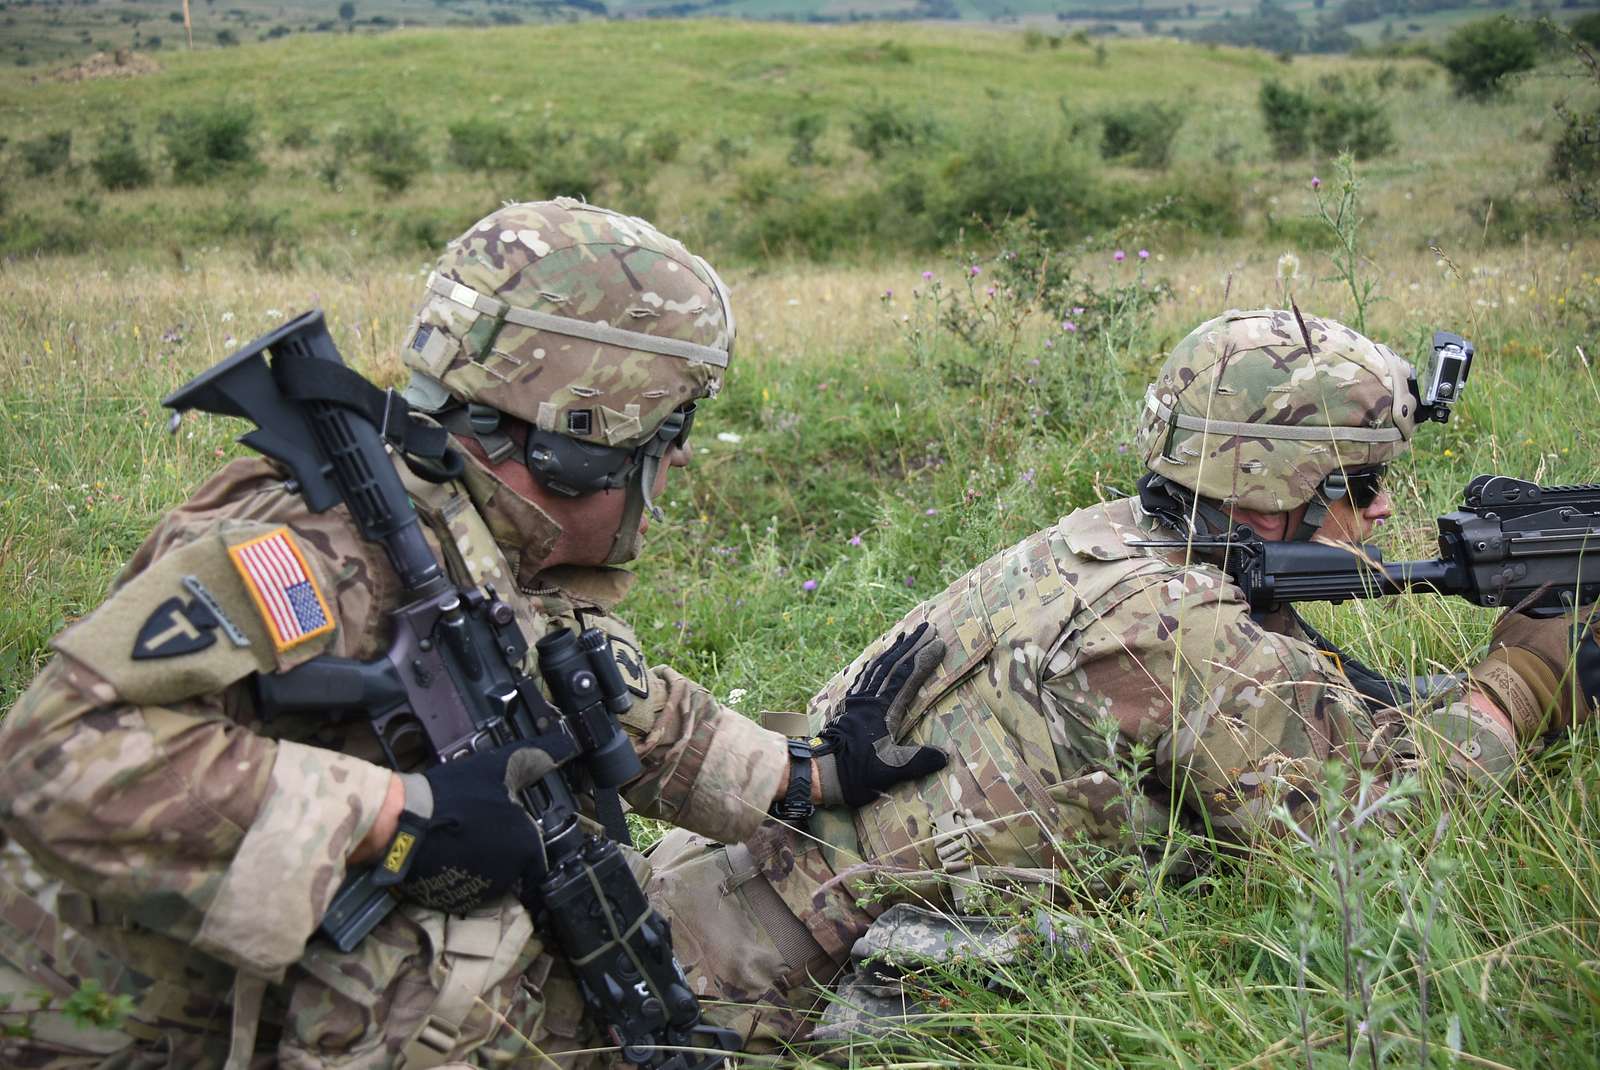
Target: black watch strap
[796,807]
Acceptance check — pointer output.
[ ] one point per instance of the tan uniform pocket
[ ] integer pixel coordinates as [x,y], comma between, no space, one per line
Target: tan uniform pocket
[421,990]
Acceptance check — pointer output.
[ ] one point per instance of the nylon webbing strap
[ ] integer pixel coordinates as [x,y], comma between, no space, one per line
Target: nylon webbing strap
[1282,432]
[309,379]
[608,811]
[424,447]
[603,333]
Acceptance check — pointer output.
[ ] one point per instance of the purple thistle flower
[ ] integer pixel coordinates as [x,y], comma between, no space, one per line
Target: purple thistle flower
[809,585]
[1119,256]
[1316,183]
[855,540]
[1078,311]
[1049,344]
[1144,254]
[1069,326]
[911,581]
[927,275]
[888,295]
[990,291]
[931,512]
[974,271]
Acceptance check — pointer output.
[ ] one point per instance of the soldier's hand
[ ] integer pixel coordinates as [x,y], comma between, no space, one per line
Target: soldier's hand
[1544,673]
[858,758]
[470,840]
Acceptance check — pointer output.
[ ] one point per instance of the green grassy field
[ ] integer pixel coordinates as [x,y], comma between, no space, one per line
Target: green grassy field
[862,446]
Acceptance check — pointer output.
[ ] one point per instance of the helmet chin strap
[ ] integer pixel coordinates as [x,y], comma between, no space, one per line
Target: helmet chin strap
[1332,489]
[627,542]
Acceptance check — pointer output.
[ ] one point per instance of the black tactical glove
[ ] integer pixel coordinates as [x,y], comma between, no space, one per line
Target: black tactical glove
[464,838]
[858,758]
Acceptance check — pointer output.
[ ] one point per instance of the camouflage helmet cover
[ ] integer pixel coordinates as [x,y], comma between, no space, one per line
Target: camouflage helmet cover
[578,320]
[1249,411]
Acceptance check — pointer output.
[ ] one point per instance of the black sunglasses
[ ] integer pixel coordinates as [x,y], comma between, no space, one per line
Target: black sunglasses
[1362,486]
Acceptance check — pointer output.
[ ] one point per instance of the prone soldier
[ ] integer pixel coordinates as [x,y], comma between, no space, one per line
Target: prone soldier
[1109,631]
[185,847]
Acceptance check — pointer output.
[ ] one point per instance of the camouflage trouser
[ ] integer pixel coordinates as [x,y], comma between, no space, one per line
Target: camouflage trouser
[421,991]
[756,937]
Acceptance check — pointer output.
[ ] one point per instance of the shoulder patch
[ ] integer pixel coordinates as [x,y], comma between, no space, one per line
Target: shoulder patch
[631,664]
[280,583]
[176,627]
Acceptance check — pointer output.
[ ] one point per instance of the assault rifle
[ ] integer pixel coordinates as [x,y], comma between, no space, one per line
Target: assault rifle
[1512,543]
[452,685]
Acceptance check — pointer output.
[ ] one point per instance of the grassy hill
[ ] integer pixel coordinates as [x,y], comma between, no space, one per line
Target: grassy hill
[756,141]
[46,33]
[920,381]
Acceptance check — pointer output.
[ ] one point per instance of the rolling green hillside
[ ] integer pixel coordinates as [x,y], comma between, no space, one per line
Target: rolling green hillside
[754,140]
[52,32]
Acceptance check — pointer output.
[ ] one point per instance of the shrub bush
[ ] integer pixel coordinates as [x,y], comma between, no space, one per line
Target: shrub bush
[203,143]
[391,149]
[804,130]
[266,233]
[566,170]
[47,154]
[1011,172]
[1574,165]
[118,161]
[1335,117]
[1587,29]
[485,145]
[662,145]
[1504,218]
[1287,114]
[1482,55]
[1140,134]
[879,126]
[1353,121]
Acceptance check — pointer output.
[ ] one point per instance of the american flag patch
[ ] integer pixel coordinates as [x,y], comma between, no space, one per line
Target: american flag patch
[276,574]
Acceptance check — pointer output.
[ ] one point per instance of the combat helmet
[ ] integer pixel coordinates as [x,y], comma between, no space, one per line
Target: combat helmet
[1269,410]
[590,327]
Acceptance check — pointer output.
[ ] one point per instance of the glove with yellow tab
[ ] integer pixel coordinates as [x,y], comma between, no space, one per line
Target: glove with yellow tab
[464,838]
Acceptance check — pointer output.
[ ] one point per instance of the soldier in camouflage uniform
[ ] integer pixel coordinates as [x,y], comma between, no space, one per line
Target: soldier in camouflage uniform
[199,844]
[1068,650]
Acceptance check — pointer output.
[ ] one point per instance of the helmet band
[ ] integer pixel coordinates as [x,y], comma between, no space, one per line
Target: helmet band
[603,333]
[1282,432]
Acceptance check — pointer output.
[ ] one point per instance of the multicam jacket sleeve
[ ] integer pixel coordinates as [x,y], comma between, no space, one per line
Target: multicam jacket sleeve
[139,779]
[1238,716]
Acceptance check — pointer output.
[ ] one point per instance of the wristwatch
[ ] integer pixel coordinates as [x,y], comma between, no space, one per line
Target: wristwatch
[796,808]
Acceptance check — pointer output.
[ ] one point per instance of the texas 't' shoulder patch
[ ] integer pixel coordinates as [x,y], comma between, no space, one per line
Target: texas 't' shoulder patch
[280,583]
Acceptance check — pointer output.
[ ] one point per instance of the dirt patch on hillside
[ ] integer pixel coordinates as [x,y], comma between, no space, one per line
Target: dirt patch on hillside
[122,63]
